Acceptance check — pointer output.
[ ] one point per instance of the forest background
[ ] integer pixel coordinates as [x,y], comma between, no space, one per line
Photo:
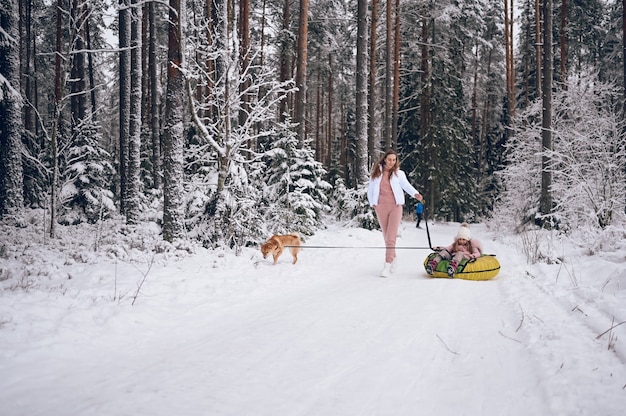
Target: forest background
[228,120]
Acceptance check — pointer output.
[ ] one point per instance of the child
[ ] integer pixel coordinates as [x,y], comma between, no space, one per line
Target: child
[419,212]
[462,248]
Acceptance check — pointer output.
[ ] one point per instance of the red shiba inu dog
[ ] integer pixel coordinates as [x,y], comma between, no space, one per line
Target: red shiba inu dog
[276,243]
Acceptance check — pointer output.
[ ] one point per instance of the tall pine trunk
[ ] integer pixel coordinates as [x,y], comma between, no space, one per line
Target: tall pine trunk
[244,60]
[11,175]
[510,64]
[563,38]
[154,98]
[425,117]
[546,121]
[373,120]
[27,41]
[388,75]
[58,96]
[285,58]
[124,73]
[134,128]
[78,86]
[303,31]
[624,55]
[173,140]
[221,89]
[361,94]
[396,78]
[538,47]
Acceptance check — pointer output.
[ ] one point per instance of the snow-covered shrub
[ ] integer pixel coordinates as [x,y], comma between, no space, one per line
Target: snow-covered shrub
[587,161]
[589,158]
[351,204]
[233,218]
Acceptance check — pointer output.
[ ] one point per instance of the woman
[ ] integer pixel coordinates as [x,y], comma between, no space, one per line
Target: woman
[385,195]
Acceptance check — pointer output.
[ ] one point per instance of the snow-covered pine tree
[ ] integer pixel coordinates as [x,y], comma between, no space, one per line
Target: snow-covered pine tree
[296,190]
[436,135]
[86,173]
[451,161]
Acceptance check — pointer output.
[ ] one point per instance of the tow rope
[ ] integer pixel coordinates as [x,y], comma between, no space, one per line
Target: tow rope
[362,247]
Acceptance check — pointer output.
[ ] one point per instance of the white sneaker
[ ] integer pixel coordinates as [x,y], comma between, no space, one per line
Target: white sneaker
[394,265]
[386,272]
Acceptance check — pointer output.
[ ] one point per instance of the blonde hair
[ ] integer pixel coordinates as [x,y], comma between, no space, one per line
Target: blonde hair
[377,169]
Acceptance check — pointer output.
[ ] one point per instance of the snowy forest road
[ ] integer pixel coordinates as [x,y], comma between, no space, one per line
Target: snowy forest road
[226,336]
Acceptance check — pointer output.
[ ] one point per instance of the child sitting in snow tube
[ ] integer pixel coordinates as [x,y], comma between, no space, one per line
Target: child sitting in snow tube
[463,248]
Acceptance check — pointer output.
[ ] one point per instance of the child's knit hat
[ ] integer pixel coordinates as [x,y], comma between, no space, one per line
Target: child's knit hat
[464,232]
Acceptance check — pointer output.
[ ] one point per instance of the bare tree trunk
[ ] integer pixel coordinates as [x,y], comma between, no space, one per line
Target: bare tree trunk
[396,79]
[262,46]
[28,45]
[211,111]
[361,94]
[319,150]
[154,99]
[58,96]
[563,43]
[124,68]
[487,105]
[134,130]
[388,74]
[425,96]
[173,140]
[372,140]
[78,98]
[624,62]
[244,57]
[425,117]
[285,56]
[329,137]
[475,130]
[510,65]
[546,123]
[90,71]
[220,30]
[538,47]
[11,170]
[300,114]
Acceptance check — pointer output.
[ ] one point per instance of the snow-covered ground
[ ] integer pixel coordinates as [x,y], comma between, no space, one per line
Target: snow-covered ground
[150,329]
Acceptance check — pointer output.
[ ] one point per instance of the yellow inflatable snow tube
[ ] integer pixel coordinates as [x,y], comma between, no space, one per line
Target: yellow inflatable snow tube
[483,268]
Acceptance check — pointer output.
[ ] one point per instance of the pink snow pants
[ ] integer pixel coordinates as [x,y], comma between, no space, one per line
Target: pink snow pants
[389,217]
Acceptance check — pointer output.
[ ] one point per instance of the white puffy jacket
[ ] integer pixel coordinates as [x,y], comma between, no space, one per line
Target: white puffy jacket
[398,182]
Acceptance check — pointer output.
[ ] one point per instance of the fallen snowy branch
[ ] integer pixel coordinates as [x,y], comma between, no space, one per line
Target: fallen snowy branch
[512,339]
[445,345]
[521,320]
[143,279]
